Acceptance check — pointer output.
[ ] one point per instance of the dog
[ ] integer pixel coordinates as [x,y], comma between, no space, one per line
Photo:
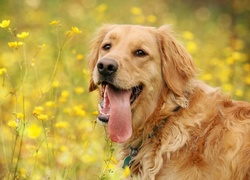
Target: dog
[169,124]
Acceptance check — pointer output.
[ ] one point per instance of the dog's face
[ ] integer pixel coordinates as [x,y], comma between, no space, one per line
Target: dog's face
[127,67]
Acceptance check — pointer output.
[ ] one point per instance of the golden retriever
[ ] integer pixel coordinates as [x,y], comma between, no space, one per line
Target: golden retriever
[169,124]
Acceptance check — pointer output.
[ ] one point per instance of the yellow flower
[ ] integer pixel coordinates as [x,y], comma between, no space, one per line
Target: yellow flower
[136,11]
[69,33]
[79,90]
[50,103]
[42,46]
[38,110]
[188,35]
[20,116]
[2,71]
[55,84]
[102,8]
[115,161]
[12,124]
[62,124]
[79,57]
[65,93]
[23,35]
[55,22]
[33,131]
[15,44]
[5,23]
[191,47]
[152,18]
[239,92]
[95,113]
[78,110]
[75,30]
[64,96]
[126,172]
[43,117]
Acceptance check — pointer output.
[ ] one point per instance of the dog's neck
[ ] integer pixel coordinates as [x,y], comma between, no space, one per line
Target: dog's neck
[166,107]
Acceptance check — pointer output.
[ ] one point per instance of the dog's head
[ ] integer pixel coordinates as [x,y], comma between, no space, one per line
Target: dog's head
[131,65]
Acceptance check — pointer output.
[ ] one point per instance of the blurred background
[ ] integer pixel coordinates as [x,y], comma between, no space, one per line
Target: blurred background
[47,116]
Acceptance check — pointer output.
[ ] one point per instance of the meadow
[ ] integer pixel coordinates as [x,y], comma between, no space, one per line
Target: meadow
[48,126]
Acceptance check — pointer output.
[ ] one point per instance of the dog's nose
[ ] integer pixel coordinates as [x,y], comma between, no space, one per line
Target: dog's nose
[107,67]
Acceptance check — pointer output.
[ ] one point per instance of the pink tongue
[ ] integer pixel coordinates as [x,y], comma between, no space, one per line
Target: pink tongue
[120,120]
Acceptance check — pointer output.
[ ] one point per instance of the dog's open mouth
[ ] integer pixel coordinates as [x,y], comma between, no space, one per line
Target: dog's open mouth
[115,110]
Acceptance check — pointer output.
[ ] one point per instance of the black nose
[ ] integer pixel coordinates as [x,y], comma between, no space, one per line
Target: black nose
[107,67]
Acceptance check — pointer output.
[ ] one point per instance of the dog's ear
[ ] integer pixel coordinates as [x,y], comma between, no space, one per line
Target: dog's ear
[94,52]
[177,65]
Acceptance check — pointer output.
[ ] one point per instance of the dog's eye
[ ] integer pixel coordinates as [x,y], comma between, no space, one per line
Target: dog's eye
[140,53]
[106,47]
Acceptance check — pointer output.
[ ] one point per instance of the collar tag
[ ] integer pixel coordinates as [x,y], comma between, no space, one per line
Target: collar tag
[126,161]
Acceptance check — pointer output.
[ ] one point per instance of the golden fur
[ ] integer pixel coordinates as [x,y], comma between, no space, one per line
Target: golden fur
[183,128]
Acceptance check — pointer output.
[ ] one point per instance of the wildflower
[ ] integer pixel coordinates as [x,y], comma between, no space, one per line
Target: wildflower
[55,84]
[69,33]
[188,35]
[33,131]
[78,110]
[126,172]
[5,23]
[12,124]
[136,11]
[102,8]
[75,30]
[42,46]
[55,22]
[227,87]
[20,116]
[79,90]
[151,18]
[239,92]
[115,161]
[192,47]
[15,44]
[50,103]
[3,71]
[95,113]
[64,96]
[43,117]
[62,124]
[86,158]
[38,110]
[64,93]
[23,35]
[79,57]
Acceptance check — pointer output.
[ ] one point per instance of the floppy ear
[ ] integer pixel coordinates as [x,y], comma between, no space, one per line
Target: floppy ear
[94,52]
[177,66]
